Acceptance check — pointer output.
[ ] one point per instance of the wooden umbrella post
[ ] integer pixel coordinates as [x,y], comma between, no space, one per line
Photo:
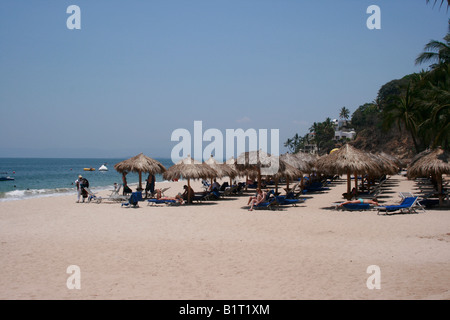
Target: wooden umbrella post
[259,177]
[439,183]
[140,181]
[276,185]
[348,182]
[189,191]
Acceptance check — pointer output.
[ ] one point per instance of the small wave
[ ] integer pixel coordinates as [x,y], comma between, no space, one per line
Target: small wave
[34,193]
[39,193]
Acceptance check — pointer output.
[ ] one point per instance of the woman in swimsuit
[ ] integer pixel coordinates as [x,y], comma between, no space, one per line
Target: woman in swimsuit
[374,201]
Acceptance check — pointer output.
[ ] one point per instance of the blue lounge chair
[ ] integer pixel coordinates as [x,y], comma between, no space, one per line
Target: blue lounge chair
[252,186]
[234,189]
[134,199]
[408,205]
[282,200]
[200,197]
[211,195]
[163,201]
[288,199]
[205,184]
[270,203]
[357,206]
[315,187]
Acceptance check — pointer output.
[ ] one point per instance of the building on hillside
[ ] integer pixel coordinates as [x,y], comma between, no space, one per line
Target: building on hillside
[341,131]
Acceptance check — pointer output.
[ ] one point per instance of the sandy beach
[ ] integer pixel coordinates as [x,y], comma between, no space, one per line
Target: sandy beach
[220,250]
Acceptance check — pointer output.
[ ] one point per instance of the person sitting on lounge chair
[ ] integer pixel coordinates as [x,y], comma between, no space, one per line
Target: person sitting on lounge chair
[215,185]
[186,192]
[160,197]
[368,201]
[260,197]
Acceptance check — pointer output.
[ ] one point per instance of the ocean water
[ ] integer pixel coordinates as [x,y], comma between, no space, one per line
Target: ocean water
[42,177]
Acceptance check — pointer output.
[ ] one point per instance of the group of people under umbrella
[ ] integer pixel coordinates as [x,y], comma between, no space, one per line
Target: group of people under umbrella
[256,164]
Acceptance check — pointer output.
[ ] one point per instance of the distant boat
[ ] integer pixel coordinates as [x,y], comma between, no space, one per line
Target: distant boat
[103,168]
[89,169]
[5,178]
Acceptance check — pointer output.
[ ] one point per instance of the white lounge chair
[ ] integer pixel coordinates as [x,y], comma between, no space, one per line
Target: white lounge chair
[92,196]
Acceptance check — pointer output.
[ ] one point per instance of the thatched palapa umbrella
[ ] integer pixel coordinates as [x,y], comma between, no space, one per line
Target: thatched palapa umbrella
[399,163]
[431,162]
[387,166]
[222,169]
[348,160]
[297,160]
[261,162]
[240,171]
[289,173]
[140,164]
[190,169]
[300,161]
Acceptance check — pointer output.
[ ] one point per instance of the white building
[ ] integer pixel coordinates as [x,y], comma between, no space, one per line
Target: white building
[340,133]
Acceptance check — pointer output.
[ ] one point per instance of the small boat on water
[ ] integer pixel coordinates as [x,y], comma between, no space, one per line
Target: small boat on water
[103,167]
[5,178]
[89,169]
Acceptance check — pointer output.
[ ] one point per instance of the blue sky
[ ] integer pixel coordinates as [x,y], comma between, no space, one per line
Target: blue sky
[138,70]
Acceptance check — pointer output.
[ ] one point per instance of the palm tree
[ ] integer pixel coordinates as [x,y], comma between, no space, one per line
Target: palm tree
[324,134]
[436,52]
[442,2]
[293,144]
[436,104]
[288,144]
[404,111]
[344,113]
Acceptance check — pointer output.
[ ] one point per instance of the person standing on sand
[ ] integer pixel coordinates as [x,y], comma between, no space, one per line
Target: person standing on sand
[84,183]
[126,190]
[78,184]
[150,187]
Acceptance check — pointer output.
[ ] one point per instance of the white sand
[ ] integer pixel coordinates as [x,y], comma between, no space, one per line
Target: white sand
[219,250]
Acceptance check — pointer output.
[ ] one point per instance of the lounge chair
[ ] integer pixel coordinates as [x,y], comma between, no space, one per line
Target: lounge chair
[169,202]
[114,196]
[234,189]
[211,195]
[408,205]
[152,195]
[315,187]
[356,206]
[270,203]
[205,184]
[295,195]
[285,199]
[92,196]
[404,195]
[254,185]
[134,199]
[282,200]
[116,190]
[294,188]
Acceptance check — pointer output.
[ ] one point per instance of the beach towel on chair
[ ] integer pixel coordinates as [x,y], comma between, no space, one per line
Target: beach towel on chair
[135,198]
